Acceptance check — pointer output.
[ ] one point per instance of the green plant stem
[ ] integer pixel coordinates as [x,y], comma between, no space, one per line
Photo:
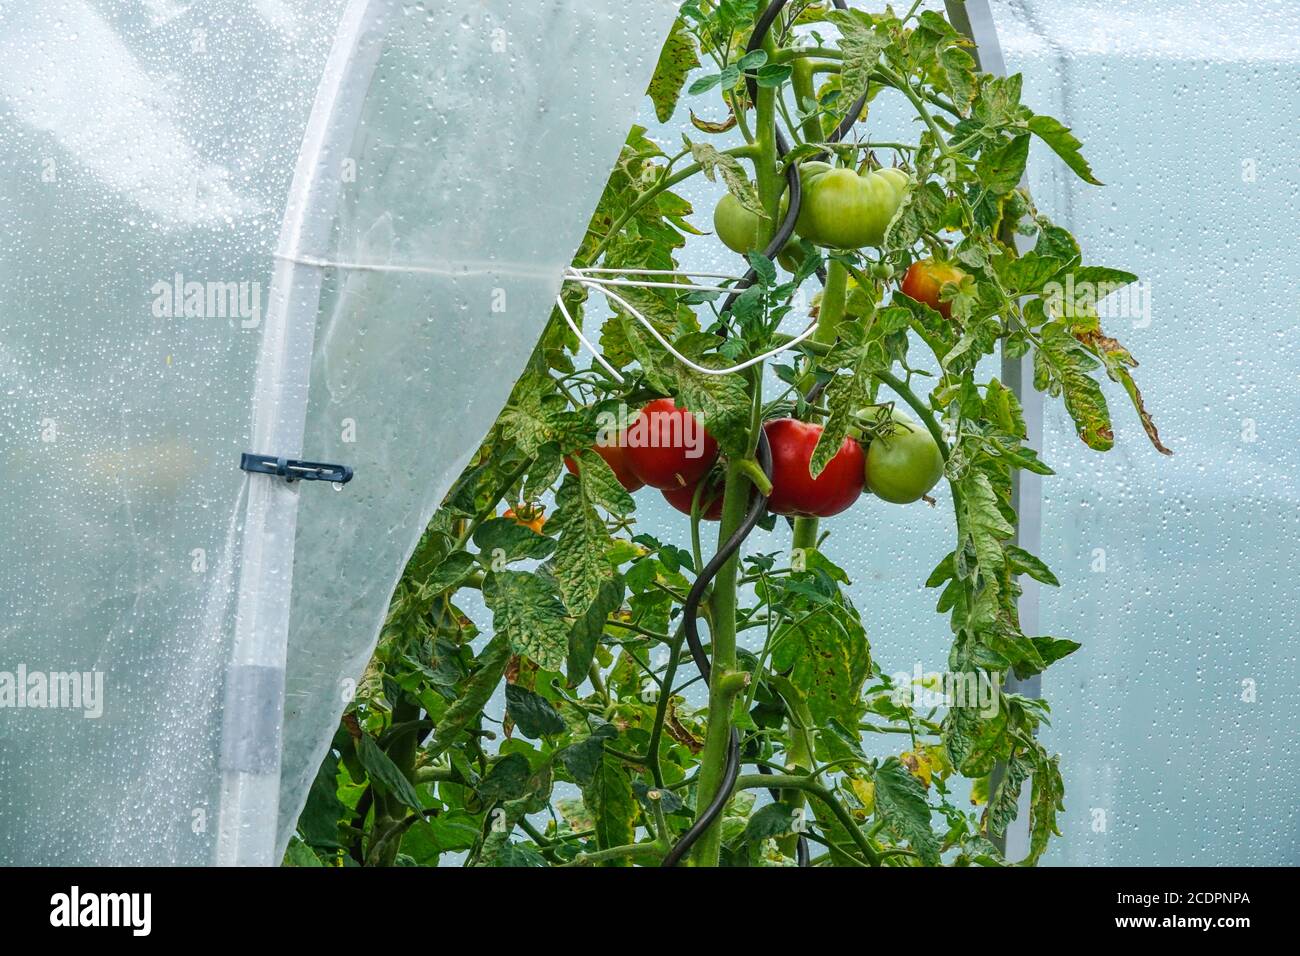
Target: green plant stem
[717,740]
[828,319]
[661,710]
[799,754]
[801,80]
[723,684]
[631,851]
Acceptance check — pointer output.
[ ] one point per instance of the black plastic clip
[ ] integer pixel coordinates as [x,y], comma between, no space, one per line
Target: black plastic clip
[292,470]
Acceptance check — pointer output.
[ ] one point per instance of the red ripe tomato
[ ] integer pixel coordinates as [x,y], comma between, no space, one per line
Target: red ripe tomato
[615,456]
[710,499]
[666,447]
[794,491]
[924,279]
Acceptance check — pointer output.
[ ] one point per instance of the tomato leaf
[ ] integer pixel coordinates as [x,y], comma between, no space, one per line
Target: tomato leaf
[1001,167]
[900,802]
[527,609]
[504,539]
[714,163]
[1004,801]
[532,713]
[824,646]
[676,59]
[612,803]
[1061,367]
[920,212]
[507,777]
[383,771]
[959,71]
[1047,797]
[861,45]
[773,820]
[580,564]
[1022,562]
[491,667]
[1064,143]
[589,627]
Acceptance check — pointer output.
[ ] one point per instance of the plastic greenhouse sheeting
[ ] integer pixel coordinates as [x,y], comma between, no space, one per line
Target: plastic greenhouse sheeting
[176,180]
[1177,718]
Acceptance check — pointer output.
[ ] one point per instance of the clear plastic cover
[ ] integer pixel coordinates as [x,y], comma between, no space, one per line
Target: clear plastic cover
[148,336]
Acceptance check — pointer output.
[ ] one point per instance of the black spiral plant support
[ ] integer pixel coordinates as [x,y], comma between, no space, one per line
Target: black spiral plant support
[690,610]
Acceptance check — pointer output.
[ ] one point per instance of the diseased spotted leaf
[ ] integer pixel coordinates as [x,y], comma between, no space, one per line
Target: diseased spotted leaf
[959,71]
[613,805]
[1047,798]
[677,58]
[601,485]
[920,212]
[1118,361]
[532,713]
[861,45]
[824,646]
[528,611]
[506,779]
[1061,367]
[1003,802]
[1001,167]
[900,802]
[580,565]
[715,163]
[507,540]
[587,629]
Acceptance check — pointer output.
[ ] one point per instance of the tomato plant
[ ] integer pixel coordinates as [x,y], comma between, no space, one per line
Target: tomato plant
[542,693]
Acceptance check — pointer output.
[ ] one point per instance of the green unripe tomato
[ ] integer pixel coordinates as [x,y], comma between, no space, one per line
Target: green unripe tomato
[791,257]
[845,210]
[737,227]
[905,464]
[898,179]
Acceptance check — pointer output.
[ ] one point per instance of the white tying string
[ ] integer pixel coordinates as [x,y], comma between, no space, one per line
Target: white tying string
[559,300]
[705,370]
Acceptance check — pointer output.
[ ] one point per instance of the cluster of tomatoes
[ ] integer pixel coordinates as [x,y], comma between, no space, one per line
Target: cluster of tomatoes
[841,209]
[901,464]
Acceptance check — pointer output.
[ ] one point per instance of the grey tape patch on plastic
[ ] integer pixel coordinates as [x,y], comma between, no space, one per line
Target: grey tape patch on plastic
[253,717]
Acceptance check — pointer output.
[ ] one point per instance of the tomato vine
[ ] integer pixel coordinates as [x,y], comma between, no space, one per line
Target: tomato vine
[608,749]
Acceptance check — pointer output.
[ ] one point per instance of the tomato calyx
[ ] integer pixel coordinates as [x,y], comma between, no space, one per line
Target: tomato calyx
[528,516]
